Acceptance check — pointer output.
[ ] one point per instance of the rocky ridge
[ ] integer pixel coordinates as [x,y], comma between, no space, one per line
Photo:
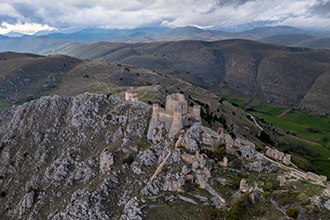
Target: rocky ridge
[87,157]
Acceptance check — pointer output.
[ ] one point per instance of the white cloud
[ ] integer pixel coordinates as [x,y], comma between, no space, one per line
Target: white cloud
[136,13]
[25,28]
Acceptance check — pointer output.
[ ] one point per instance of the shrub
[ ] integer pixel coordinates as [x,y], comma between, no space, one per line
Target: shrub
[311,209]
[109,117]
[3,194]
[212,213]
[129,160]
[244,208]
[292,213]
[268,186]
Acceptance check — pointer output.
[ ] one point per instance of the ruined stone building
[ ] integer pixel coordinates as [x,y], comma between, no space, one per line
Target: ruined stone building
[176,115]
[131,95]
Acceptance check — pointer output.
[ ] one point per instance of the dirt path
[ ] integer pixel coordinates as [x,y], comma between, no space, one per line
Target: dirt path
[255,122]
[286,111]
[305,140]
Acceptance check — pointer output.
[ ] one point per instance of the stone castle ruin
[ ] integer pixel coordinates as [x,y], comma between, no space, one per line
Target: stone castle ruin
[131,95]
[176,115]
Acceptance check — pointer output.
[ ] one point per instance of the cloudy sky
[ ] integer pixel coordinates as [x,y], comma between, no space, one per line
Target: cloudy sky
[30,16]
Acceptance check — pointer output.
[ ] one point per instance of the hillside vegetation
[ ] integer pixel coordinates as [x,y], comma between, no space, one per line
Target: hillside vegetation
[27,77]
[254,71]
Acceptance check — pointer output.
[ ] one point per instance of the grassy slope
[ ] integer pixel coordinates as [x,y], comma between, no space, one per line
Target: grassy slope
[28,76]
[305,135]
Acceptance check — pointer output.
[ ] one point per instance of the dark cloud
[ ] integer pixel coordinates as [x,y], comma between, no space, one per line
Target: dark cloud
[225,3]
[30,12]
[321,8]
[8,19]
[234,3]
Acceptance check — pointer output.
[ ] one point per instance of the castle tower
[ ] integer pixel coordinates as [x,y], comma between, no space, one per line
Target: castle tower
[176,102]
[177,124]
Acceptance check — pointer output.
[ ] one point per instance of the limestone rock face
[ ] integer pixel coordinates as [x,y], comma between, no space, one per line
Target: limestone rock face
[61,150]
[106,162]
[26,203]
[198,137]
[88,157]
[327,205]
[131,210]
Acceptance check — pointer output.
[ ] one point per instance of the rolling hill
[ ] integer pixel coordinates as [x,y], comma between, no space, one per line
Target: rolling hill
[245,69]
[26,77]
[289,39]
[257,72]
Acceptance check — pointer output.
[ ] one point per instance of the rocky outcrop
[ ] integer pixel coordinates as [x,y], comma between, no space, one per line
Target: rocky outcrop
[106,162]
[316,178]
[278,155]
[131,210]
[87,157]
[63,151]
[198,137]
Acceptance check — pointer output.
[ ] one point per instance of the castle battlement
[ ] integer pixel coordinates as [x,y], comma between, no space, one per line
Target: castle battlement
[176,115]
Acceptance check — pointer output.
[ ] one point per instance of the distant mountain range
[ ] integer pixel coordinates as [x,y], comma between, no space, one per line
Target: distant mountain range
[286,35]
[83,152]
[253,65]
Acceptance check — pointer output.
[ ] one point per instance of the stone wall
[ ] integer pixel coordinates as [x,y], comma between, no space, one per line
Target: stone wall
[176,103]
[175,116]
[278,155]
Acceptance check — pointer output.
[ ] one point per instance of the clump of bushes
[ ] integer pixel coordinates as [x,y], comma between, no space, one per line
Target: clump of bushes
[245,207]
[3,194]
[129,160]
[292,212]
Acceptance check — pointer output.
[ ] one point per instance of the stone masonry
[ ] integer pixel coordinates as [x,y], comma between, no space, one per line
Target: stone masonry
[176,115]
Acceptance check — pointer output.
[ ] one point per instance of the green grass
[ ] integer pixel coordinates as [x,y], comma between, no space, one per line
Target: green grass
[149,96]
[4,104]
[268,109]
[324,166]
[306,135]
[310,127]
[236,102]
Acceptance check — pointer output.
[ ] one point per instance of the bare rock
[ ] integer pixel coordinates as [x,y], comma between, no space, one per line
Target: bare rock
[131,210]
[287,159]
[106,162]
[239,142]
[282,180]
[244,186]
[256,166]
[224,162]
[248,152]
[26,203]
[327,205]
[188,158]
[146,158]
